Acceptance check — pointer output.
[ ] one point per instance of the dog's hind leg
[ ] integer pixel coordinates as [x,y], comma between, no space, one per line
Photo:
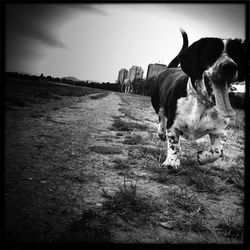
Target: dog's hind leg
[216,150]
[162,125]
[173,160]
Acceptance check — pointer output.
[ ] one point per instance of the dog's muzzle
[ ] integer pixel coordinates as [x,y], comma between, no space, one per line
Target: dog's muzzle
[220,88]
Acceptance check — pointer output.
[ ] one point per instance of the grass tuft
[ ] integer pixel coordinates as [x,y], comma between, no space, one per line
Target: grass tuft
[186,200]
[188,213]
[193,223]
[158,154]
[231,225]
[134,139]
[121,125]
[129,205]
[236,177]
[120,164]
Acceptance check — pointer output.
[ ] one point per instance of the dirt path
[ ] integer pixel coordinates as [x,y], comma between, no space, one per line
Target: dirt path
[86,168]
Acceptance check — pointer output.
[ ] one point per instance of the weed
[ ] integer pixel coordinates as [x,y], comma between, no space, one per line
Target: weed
[136,125]
[202,182]
[233,175]
[125,195]
[188,213]
[231,225]
[186,200]
[129,205]
[120,164]
[157,153]
[105,149]
[121,125]
[133,139]
[118,124]
[195,223]
[236,177]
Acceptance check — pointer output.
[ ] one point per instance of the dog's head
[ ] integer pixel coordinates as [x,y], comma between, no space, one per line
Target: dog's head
[213,64]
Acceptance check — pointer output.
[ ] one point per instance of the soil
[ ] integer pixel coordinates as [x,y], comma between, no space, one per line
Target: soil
[84,165]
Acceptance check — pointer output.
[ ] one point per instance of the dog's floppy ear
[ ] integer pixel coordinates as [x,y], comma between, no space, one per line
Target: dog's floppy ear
[188,60]
[199,56]
[236,49]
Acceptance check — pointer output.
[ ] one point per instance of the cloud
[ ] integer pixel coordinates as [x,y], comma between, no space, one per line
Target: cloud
[30,27]
[40,21]
[90,8]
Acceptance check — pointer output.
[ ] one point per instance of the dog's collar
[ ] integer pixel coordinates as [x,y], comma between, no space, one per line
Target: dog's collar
[192,91]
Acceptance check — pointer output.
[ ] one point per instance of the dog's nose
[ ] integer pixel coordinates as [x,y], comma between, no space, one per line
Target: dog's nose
[229,69]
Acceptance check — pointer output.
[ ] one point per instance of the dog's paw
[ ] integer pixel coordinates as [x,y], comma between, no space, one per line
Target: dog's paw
[205,157]
[171,163]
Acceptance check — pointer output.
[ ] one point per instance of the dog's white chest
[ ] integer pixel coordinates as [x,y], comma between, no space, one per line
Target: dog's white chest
[194,119]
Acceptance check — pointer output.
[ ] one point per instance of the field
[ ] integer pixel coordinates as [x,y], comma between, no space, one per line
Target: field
[84,165]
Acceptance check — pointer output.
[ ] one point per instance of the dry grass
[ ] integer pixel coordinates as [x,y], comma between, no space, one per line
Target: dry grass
[152,152]
[121,164]
[231,224]
[121,125]
[187,213]
[129,204]
[134,139]
[186,200]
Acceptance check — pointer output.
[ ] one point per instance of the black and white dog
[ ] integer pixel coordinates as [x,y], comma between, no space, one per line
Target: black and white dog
[192,100]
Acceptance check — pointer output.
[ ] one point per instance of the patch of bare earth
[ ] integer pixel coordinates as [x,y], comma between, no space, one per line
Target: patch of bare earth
[87,168]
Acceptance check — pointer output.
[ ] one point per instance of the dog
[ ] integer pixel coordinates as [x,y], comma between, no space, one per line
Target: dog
[192,100]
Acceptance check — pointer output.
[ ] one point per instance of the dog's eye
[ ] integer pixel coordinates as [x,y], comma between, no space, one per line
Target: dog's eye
[210,50]
[235,50]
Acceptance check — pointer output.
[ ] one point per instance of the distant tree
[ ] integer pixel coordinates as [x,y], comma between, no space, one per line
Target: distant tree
[143,86]
[49,78]
[57,79]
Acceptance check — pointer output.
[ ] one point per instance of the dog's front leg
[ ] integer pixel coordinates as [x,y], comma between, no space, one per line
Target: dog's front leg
[173,160]
[216,150]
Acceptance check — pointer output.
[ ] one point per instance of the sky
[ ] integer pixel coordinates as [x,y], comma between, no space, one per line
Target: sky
[94,41]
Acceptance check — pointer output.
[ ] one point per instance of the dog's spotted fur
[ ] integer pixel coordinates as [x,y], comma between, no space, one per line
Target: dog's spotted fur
[192,100]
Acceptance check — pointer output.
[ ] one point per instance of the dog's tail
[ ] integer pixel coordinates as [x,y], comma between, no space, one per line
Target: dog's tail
[175,62]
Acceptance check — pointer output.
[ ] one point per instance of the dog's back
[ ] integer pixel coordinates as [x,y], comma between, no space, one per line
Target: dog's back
[163,83]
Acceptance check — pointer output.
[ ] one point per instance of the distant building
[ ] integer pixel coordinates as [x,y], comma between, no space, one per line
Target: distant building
[122,75]
[135,72]
[155,69]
